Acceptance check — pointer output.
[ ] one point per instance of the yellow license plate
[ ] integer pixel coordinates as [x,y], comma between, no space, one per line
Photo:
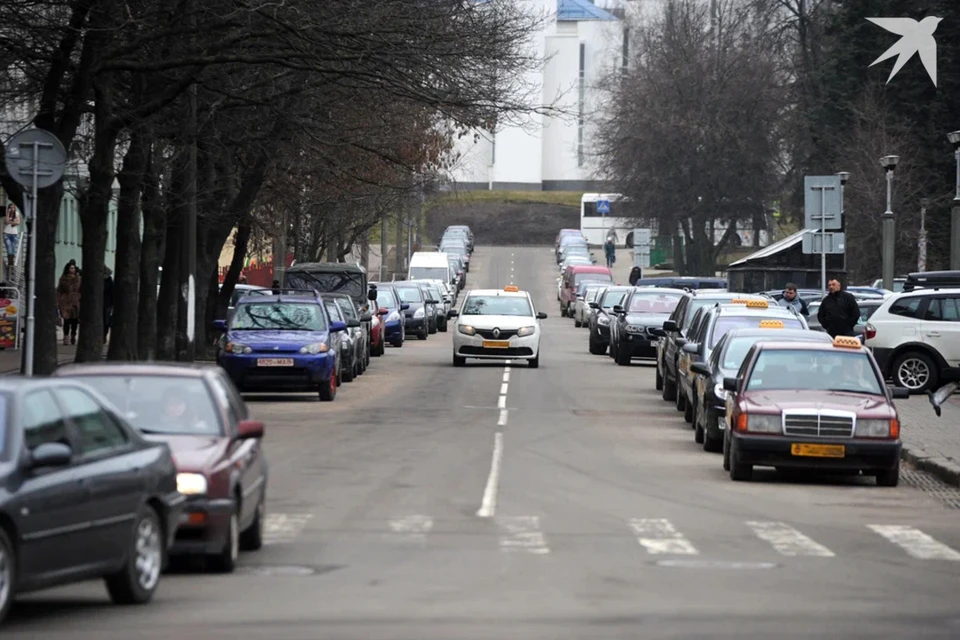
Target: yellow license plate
[274,362]
[818,450]
[496,344]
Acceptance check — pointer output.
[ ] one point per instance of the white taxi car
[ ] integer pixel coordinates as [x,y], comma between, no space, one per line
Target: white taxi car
[497,324]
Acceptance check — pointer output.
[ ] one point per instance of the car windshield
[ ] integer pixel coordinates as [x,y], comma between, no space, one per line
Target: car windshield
[386,299]
[410,294]
[161,404]
[349,282]
[428,273]
[457,250]
[591,293]
[728,323]
[737,348]
[497,306]
[592,277]
[435,294]
[699,303]
[347,308]
[818,370]
[283,316]
[612,299]
[653,302]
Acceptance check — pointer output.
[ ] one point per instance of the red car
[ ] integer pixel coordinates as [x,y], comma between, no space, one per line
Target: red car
[573,276]
[221,466]
[377,337]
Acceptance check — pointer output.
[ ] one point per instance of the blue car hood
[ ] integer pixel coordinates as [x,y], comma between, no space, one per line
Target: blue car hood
[259,338]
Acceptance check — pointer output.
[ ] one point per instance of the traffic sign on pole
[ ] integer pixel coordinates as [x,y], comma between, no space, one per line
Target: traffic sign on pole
[821,200]
[831,242]
[603,207]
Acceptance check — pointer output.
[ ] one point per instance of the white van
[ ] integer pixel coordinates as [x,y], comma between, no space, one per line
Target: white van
[430,265]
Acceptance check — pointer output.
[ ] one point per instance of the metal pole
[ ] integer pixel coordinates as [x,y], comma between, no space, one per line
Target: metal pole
[32,267]
[844,257]
[922,240]
[955,221]
[383,248]
[823,242]
[889,239]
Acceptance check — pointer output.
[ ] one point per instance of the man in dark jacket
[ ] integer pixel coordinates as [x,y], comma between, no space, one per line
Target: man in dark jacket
[839,311]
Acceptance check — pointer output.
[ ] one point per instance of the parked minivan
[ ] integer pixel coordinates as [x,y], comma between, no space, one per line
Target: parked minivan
[431,265]
[571,279]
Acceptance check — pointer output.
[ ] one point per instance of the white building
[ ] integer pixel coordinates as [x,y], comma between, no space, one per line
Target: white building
[583,44]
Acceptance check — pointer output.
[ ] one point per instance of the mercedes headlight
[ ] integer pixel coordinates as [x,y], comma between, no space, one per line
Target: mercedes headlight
[604,320]
[191,484]
[314,349]
[466,330]
[526,331]
[719,392]
[236,347]
[763,423]
[873,428]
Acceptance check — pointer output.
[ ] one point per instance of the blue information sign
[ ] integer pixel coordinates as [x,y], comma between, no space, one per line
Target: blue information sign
[603,207]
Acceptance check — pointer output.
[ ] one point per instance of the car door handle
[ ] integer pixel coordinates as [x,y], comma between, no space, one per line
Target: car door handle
[933,334]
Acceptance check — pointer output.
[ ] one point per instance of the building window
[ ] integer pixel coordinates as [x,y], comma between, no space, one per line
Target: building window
[580,118]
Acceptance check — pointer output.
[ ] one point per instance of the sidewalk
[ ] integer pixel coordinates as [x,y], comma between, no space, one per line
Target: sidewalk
[930,443]
[10,358]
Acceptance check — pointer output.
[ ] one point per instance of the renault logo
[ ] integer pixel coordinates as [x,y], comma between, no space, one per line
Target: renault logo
[496,333]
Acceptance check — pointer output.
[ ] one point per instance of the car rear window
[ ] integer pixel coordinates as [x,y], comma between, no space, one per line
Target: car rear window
[612,299]
[654,302]
[592,277]
[725,324]
[816,370]
[410,294]
[737,348]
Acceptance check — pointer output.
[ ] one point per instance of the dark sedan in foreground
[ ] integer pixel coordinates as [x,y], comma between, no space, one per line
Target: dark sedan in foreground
[82,494]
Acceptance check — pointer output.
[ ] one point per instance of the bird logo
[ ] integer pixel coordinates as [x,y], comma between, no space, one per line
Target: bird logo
[917,37]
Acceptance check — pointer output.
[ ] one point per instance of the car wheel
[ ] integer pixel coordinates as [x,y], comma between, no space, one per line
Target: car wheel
[8,573]
[623,357]
[423,334]
[252,537]
[346,375]
[690,413]
[459,361]
[889,477]
[711,445]
[916,371]
[698,433]
[433,328]
[534,363]
[577,323]
[669,391]
[442,326]
[226,560]
[596,347]
[328,389]
[680,401]
[137,581]
[726,454]
[659,382]
[739,471]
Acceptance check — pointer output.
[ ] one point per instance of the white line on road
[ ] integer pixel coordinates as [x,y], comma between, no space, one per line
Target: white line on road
[279,528]
[522,533]
[412,528]
[502,421]
[503,389]
[658,536]
[489,505]
[787,540]
[915,542]
[502,402]
[506,369]
[506,374]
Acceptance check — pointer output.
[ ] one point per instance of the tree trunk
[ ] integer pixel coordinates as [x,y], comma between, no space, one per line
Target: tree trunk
[154,224]
[125,324]
[168,304]
[45,327]
[240,241]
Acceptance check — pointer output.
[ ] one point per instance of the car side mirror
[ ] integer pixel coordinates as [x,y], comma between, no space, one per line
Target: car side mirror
[338,326]
[353,323]
[432,301]
[366,317]
[404,306]
[670,325]
[51,454]
[593,305]
[541,315]
[681,342]
[617,309]
[657,331]
[690,347]
[249,429]
[730,384]
[453,313]
[899,393]
[372,293]
[219,325]
[382,311]
[701,368]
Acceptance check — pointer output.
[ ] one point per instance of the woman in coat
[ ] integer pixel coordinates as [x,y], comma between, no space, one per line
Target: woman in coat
[68,302]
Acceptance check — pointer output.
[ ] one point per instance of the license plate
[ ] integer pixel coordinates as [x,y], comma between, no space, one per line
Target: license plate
[274,362]
[496,344]
[818,450]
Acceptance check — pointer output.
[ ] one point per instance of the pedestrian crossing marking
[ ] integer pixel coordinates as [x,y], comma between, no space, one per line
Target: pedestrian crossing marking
[412,528]
[522,534]
[281,528]
[788,541]
[916,543]
[658,536]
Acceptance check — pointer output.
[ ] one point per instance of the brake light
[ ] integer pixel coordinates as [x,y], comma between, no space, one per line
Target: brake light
[894,428]
[869,332]
[741,422]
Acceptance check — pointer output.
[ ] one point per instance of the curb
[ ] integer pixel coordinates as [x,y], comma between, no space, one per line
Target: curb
[16,372]
[943,468]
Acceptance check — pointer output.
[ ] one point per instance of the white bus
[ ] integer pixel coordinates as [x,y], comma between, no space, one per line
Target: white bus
[595,227]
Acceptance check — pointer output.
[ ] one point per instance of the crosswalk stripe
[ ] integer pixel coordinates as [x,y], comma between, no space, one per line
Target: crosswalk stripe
[412,528]
[522,534]
[279,528]
[787,540]
[916,543]
[658,536]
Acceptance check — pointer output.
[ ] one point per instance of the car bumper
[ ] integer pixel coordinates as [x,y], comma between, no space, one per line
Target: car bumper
[174,504]
[639,345]
[393,329]
[774,451]
[415,323]
[203,526]
[602,334]
[524,348]
[307,371]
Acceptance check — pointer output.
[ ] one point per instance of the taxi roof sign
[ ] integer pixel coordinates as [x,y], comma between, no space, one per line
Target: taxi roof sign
[771,324]
[512,288]
[739,301]
[757,304]
[847,342]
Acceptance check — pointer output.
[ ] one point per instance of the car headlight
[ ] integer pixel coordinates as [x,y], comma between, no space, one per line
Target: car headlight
[394,316]
[632,328]
[236,347]
[874,428]
[763,423]
[526,331]
[604,320]
[466,330]
[719,393]
[191,484]
[315,348]
[418,313]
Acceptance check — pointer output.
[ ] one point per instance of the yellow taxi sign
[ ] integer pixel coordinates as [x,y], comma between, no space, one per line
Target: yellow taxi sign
[739,301]
[512,288]
[847,342]
[757,304]
[771,324]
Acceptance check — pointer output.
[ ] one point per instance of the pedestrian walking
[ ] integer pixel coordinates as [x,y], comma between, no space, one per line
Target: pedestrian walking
[791,300]
[68,302]
[11,233]
[610,251]
[635,274]
[839,311]
[107,300]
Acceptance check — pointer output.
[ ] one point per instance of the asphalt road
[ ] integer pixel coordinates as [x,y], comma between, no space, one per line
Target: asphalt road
[598,518]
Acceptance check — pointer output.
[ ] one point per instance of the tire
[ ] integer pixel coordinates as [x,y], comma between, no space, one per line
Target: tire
[383,346]
[442,326]
[916,371]
[226,560]
[8,573]
[251,539]
[597,348]
[711,445]
[577,323]
[689,412]
[669,391]
[659,382]
[423,334]
[623,357]
[726,454]
[328,389]
[347,375]
[137,581]
[739,472]
[680,401]
[889,477]
[433,328]
[534,363]
[698,434]
[459,361]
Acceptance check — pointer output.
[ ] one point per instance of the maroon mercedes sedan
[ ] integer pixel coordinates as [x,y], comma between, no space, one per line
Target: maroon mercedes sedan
[221,466]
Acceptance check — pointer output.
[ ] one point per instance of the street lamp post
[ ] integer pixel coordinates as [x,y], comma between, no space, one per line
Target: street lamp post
[922,240]
[844,177]
[889,163]
[954,138]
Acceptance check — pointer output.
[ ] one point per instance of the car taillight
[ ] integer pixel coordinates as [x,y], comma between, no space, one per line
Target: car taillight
[869,332]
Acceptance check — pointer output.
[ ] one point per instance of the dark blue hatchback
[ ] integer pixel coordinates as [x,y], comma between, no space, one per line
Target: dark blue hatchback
[281,343]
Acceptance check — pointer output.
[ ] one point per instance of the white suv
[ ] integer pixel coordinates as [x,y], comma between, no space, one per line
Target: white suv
[915,338]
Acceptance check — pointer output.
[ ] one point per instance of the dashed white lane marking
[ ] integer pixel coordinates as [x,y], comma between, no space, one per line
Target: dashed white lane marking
[522,534]
[787,540]
[280,528]
[489,505]
[503,389]
[506,375]
[915,542]
[658,536]
[412,528]
[506,370]
[502,421]
[502,402]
